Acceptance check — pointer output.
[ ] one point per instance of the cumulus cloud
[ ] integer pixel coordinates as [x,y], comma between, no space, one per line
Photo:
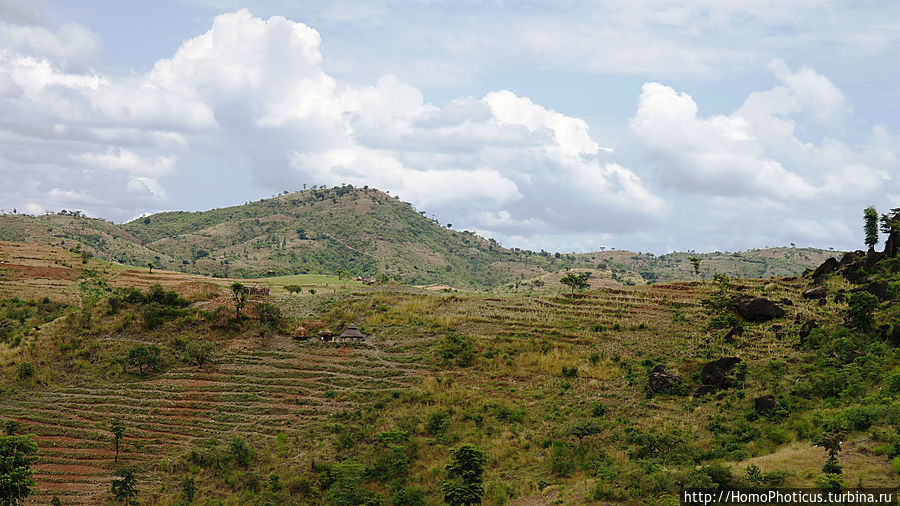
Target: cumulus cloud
[755,158]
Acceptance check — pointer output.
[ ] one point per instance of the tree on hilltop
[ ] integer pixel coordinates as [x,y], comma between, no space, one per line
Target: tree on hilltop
[870,216]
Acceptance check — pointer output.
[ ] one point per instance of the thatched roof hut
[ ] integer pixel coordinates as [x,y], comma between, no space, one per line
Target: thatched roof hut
[352,333]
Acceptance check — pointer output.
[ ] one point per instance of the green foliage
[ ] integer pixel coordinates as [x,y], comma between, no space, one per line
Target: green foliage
[569,372]
[695,263]
[18,317]
[412,496]
[25,370]
[457,350]
[585,428]
[240,453]
[239,295]
[144,357]
[870,217]
[860,310]
[664,446]
[188,489]
[200,351]
[124,487]
[575,281]
[344,484]
[293,288]
[17,455]
[465,474]
[269,314]
[11,427]
[562,459]
[771,479]
[118,430]
[437,425]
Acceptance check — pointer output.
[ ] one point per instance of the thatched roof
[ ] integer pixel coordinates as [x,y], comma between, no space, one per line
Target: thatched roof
[352,331]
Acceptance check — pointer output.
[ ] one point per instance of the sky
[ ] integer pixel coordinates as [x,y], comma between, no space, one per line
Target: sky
[563,125]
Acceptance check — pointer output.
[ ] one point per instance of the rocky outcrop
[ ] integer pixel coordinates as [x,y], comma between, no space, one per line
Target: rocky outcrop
[663,380]
[828,266]
[714,375]
[876,288]
[764,404]
[757,309]
[816,292]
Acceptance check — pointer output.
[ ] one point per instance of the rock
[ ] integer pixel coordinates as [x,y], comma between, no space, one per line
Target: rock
[807,329]
[817,292]
[822,302]
[715,373]
[855,272]
[872,258]
[851,257]
[662,379]
[828,266]
[735,331]
[786,301]
[764,403]
[778,330]
[703,390]
[758,309]
[853,355]
[878,289]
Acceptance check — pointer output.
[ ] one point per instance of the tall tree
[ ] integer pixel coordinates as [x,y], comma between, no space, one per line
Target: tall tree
[17,454]
[465,473]
[576,281]
[239,294]
[118,430]
[870,216]
[695,262]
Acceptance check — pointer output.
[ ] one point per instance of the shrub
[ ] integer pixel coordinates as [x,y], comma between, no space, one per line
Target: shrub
[598,410]
[562,459]
[25,370]
[188,489]
[269,314]
[124,488]
[200,351]
[144,357]
[570,372]
[437,424]
[241,454]
[412,496]
[860,308]
[457,350]
[585,428]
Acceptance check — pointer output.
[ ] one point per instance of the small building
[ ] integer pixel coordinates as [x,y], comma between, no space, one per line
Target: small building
[351,334]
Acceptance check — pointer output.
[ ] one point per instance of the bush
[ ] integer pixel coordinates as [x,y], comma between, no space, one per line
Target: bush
[124,488]
[241,454]
[598,410]
[412,496]
[570,372]
[25,370]
[860,309]
[269,314]
[437,424]
[457,350]
[562,459]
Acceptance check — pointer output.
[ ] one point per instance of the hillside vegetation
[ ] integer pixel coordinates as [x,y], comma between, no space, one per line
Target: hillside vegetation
[558,391]
[363,232]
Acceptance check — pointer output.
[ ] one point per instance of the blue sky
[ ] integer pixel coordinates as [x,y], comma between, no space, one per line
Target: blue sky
[643,124]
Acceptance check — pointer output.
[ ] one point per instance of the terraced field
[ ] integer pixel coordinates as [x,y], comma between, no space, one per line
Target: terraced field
[255,393]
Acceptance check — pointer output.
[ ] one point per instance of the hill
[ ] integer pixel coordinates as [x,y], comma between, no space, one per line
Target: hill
[554,389]
[364,232]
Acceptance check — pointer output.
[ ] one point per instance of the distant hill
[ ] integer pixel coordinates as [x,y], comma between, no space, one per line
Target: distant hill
[366,232]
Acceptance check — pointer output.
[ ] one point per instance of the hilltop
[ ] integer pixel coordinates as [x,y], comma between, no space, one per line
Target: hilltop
[363,231]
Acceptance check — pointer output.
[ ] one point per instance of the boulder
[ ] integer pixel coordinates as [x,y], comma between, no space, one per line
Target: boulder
[850,257]
[703,390]
[828,266]
[662,379]
[735,331]
[784,301]
[816,292]
[715,373]
[807,328]
[822,302]
[876,288]
[758,309]
[855,272]
[764,403]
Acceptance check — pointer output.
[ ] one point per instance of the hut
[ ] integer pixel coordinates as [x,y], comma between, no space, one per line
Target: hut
[351,334]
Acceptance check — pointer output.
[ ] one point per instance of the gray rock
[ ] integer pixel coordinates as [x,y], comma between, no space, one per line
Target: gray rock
[662,379]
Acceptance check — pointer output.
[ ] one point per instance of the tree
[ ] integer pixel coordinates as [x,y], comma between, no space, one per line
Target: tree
[150,266]
[585,428]
[695,261]
[870,215]
[144,357]
[200,351]
[188,489]
[17,454]
[124,488]
[269,314]
[576,281]
[11,427]
[890,222]
[239,294]
[465,473]
[860,308]
[118,430]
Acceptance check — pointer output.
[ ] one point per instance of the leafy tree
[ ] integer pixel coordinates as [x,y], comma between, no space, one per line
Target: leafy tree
[575,281]
[124,488]
[239,294]
[200,351]
[870,216]
[860,308]
[17,454]
[695,262]
[292,289]
[889,221]
[561,459]
[585,428]
[240,452]
[118,430]
[465,474]
[188,489]
[11,427]
[269,314]
[150,266]
[144,357]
